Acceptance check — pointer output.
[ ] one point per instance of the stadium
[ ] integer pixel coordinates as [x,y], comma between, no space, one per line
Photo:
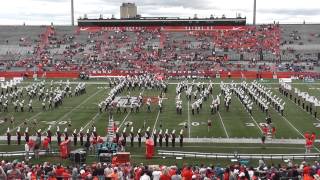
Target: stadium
[160,98]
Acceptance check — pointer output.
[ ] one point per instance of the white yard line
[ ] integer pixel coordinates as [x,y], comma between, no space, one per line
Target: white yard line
[302,109]
[189,124]
[250,116]
[69,112]
[256,123]
[294,128]
[129,112]
[155,123]
[124,119]
[225,130]
[292,124]
[92,120]
[16,127]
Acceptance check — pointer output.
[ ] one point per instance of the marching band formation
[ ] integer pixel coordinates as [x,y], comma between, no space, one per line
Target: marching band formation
[50,97]
[141,83]
[196,93]
[310,103]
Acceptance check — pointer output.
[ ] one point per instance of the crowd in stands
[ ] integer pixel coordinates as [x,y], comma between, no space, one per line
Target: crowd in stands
[156,50]
[101,171]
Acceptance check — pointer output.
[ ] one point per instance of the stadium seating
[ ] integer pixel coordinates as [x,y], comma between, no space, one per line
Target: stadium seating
[95,171]
[288,48]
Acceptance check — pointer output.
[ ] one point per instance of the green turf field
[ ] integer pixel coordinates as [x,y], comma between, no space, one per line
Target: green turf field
[82,111]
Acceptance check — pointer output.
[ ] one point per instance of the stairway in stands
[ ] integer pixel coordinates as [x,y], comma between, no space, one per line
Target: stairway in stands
[111,128]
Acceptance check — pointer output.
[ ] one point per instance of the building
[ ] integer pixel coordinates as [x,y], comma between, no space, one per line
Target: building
[128,10]
[161,21]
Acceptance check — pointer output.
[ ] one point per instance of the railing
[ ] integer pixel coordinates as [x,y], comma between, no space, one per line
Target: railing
[23,153]
[237,156]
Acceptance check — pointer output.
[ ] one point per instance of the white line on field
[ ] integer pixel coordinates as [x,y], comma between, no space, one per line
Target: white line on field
[292,124]
[251,116]
[225,130]
[304,110]
[92,120]
[34,116]
[295,128]
[297,105]
[124,119]
[256,123]
[69,112]
[155,123]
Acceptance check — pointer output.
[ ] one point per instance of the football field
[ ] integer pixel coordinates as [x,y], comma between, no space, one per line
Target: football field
[236,127]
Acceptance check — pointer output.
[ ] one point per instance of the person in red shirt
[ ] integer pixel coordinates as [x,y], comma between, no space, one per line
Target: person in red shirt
[66,175]
[59,172]
[226,174]
[165,175]
[306,173]
[172,171]
[273,132]
[138,173]
[187,173]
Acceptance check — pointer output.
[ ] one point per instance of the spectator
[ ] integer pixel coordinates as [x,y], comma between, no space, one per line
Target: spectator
[2,174]
[156,174]
[145,175]
[187,173]
[114,175]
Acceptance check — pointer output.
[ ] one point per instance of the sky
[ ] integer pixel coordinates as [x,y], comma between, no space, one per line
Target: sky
[43,12]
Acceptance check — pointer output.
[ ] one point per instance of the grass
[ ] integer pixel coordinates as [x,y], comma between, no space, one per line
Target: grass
[82,111]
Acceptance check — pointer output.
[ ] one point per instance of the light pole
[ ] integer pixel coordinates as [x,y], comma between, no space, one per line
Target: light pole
[254,11]
[72,13]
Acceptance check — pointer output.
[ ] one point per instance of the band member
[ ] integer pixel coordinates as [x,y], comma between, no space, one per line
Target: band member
[66,134]
[95,134]
[160,137]
[124,135]
[268,120]
[88,144]
[173,138]
[209,124]
[166,137]
[8,136]
[75,137]
[49,133]
[117,136]
[181,138]
[58,135]
[39,135]
[18,136]
[81,136]
[26,135]
[131,137]
[148,133]
[139,137]
[155,136]
[12,120]
[88,135]
[149,105]
[263,139]
[185,125]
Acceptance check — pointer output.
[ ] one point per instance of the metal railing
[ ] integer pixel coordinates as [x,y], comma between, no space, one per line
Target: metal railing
[30,153]
[237,156]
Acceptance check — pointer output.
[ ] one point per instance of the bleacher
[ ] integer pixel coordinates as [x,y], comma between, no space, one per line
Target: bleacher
[67,47]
